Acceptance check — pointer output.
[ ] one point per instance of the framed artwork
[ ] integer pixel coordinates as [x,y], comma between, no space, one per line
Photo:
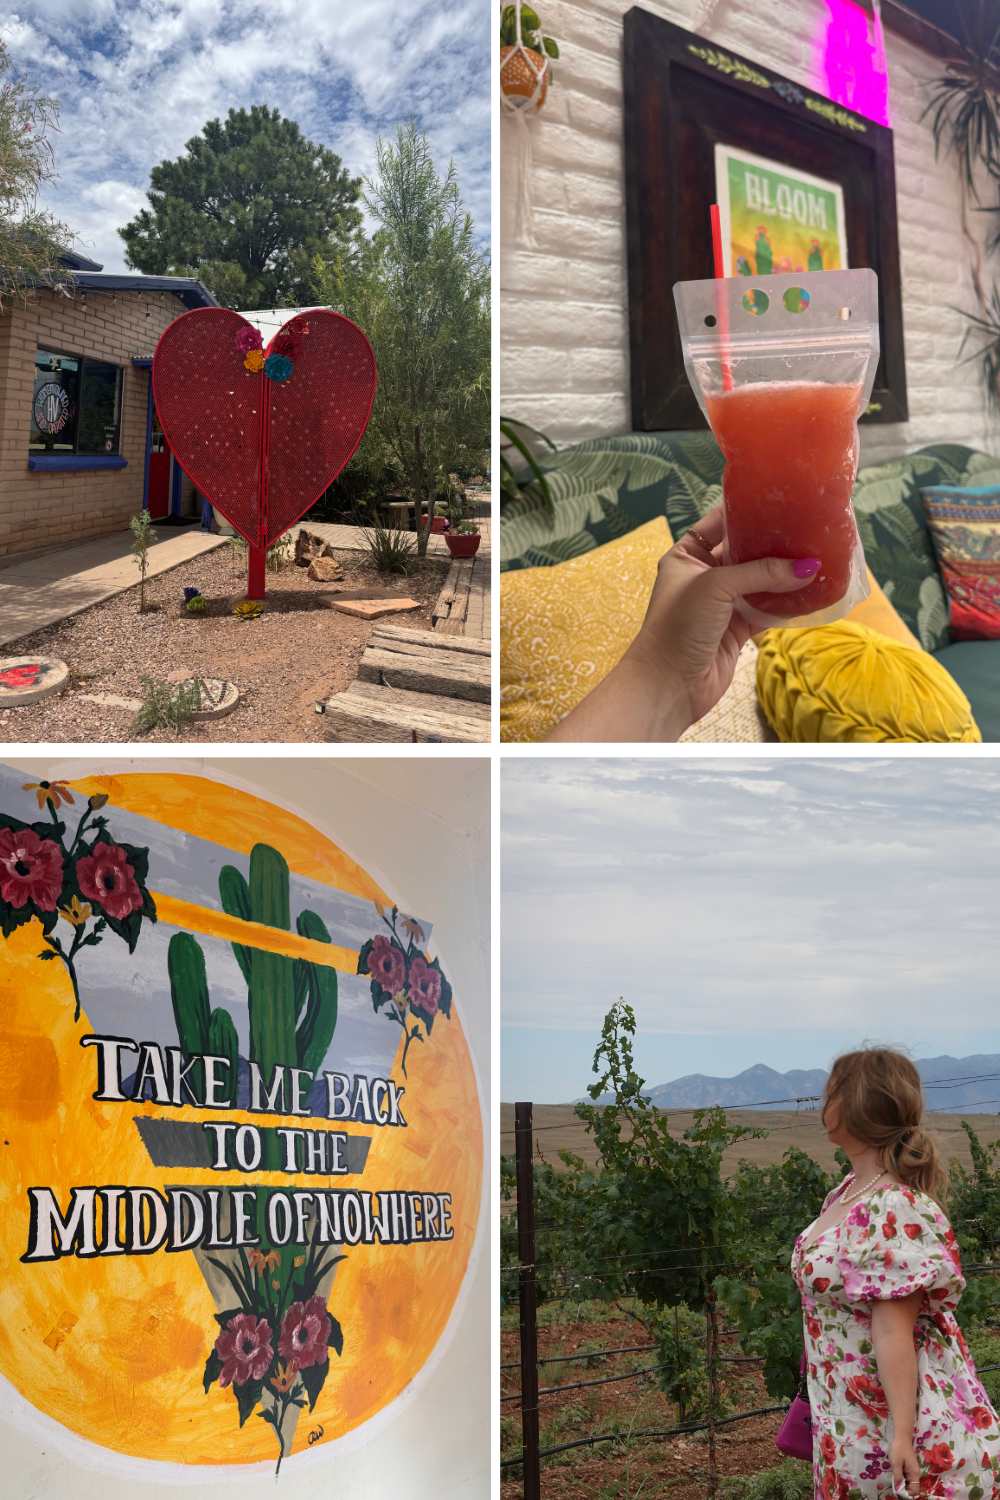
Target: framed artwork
[775,218]
[797,179]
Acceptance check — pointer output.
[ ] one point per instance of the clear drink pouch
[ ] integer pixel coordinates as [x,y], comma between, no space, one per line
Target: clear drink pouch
[782,367]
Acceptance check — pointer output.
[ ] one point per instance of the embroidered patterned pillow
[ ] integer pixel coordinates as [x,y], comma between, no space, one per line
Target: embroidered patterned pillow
[965,527]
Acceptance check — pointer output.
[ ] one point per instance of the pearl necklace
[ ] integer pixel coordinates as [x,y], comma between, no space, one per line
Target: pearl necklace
[850,1197]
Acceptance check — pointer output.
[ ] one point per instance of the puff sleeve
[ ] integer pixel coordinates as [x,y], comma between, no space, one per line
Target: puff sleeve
[896,1242]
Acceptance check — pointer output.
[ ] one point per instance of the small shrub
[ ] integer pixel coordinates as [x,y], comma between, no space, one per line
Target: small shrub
[166,705]
[792,1479]
[391,550]
[277,557]
[143,537]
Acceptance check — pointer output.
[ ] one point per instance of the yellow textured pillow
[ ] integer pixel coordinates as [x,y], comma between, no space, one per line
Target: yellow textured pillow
[878,613]
[563,628]
[845,683]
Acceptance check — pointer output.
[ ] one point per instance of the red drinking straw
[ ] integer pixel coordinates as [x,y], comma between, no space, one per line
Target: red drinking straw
[721,309]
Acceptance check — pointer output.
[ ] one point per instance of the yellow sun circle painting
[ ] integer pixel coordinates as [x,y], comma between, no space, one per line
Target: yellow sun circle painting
[242,1134]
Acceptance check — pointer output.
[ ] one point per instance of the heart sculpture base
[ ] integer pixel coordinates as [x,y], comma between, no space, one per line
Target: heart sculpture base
[262,433]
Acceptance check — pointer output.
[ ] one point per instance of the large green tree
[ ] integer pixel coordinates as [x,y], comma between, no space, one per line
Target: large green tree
[31,240]
[420,290]
[247,208]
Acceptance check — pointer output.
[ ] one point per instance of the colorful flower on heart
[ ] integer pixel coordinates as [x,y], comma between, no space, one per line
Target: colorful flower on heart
[105,876]
[305,1333]
[55,792]
[425,986]
[866,1391]
[299,325]
[75,914]
[244,1346]
[247,339]
[284,1379]
[387,965]
[30,869]
[254,361]
[288,345]
[277,368]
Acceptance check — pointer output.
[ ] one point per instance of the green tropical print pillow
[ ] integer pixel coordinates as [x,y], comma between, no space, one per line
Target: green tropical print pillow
[608,486]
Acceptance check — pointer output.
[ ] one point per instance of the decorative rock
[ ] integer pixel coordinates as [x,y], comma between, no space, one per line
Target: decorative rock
[25,679]
[325,570]
[308,545]
[374,609]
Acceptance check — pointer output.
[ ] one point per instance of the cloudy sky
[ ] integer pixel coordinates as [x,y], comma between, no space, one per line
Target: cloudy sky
[749,911]
[138,78]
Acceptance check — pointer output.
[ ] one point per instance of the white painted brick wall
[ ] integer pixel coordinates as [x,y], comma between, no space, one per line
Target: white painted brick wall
[563,307]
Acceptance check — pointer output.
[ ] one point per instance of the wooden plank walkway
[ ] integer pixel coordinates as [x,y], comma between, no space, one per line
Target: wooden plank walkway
[463,605]
[416,686]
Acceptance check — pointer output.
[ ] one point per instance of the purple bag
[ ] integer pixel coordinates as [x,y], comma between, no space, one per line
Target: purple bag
[795,1437]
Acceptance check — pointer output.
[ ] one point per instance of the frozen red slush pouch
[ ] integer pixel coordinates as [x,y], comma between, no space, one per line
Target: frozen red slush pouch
[782,367]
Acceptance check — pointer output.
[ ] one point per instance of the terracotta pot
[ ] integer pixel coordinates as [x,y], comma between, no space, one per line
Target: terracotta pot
[463,546]
[516,78]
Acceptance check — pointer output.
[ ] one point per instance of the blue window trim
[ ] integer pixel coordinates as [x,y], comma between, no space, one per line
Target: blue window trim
[51,461]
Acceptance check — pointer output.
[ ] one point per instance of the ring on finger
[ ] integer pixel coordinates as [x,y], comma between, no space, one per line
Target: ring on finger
[702,541]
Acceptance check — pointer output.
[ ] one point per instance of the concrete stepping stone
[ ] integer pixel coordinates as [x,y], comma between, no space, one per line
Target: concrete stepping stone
[373,609]
[25,679]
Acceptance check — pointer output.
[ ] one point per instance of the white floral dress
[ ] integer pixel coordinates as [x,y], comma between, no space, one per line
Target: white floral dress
[891,1244]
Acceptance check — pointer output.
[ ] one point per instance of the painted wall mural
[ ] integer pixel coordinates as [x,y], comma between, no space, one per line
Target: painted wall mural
[241,1131]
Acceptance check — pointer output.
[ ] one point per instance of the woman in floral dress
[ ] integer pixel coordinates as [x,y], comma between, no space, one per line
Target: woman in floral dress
[896,1402]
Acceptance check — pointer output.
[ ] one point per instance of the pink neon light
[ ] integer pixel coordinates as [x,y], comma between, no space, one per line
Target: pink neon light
[854,65]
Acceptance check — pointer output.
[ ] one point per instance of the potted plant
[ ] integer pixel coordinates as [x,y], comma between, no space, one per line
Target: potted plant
[462,537]
[519,80]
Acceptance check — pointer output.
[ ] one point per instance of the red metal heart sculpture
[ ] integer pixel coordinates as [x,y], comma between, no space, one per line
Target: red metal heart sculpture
[262,451]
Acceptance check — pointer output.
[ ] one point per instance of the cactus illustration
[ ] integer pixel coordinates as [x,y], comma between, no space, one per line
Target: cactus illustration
[199,1028]
[292,1002]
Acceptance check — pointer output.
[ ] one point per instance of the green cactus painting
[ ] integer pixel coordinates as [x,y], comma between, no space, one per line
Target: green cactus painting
[292,1003]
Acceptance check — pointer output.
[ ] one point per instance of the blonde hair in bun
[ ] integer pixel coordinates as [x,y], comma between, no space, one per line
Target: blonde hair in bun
[882,1103]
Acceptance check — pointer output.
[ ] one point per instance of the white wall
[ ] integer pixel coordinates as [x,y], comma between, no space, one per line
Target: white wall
[420,828]
[563,307]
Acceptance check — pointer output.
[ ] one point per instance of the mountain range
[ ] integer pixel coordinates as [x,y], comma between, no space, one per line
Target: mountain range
[950,1084]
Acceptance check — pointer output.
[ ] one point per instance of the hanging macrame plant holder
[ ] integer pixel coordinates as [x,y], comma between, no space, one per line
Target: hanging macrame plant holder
[524,83]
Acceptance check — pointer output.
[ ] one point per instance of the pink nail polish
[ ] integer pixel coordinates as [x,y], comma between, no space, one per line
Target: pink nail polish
[805,567]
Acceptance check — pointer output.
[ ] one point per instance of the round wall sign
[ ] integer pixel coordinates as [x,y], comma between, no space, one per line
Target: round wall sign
[242,1131]
[51,408]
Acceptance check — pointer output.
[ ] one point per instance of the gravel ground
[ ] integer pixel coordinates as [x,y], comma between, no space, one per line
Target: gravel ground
[296,652]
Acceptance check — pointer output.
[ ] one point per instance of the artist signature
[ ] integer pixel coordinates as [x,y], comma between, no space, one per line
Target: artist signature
[315,1435]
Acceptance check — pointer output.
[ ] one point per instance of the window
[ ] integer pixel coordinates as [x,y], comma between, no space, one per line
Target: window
[75,405]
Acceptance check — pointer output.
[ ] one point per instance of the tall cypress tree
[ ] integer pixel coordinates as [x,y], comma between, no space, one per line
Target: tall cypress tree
[246,208]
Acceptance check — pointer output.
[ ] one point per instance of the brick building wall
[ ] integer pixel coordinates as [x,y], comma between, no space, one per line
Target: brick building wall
[563,315]
[39,510]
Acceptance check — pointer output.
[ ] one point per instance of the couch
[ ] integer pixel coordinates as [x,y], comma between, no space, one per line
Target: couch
[605,488]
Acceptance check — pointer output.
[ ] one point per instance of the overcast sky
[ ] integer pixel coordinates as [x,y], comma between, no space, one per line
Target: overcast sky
[138,78]
[750,911]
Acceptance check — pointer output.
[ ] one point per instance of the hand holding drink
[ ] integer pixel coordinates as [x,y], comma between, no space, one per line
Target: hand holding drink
[782,387]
